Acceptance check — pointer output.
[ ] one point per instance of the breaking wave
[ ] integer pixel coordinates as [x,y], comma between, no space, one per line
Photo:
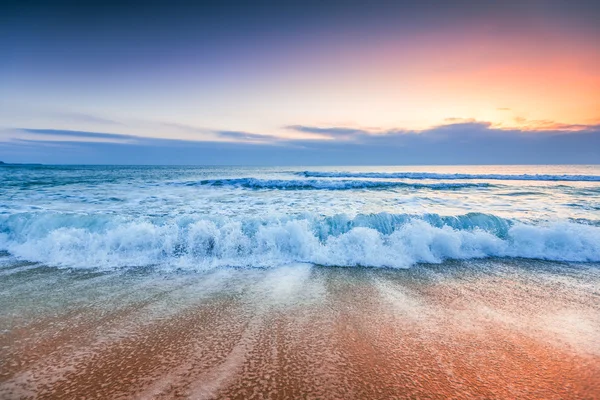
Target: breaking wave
[429,175]
[376,240]
[324,184]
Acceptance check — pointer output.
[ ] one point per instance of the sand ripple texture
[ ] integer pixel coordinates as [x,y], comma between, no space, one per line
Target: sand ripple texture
[475,329]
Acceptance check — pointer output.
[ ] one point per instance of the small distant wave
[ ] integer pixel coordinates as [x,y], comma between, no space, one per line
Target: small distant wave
[515,194]
[324,184]
[429,175]
[202,242]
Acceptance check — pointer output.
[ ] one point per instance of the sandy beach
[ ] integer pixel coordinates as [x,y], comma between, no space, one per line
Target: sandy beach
[500,330]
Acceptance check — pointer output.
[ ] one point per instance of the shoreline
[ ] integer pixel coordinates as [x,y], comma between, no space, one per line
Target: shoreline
[503,331]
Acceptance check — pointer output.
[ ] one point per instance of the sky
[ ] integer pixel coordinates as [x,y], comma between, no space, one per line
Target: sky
[300,82]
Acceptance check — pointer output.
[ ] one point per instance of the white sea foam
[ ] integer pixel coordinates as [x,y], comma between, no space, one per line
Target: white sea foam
[381,240]
[428,175]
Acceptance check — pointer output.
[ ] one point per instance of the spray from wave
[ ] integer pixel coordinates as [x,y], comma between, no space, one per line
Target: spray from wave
[377,240]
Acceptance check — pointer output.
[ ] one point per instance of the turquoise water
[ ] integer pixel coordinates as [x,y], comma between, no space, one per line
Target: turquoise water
[198,218]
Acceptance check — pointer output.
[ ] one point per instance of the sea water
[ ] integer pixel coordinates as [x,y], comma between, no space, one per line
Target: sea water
[198,218]
[337,282]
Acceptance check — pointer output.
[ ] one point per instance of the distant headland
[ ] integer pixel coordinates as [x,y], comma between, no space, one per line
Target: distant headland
[2,163]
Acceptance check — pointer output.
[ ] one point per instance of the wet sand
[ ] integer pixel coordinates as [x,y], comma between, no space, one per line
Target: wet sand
[486,329]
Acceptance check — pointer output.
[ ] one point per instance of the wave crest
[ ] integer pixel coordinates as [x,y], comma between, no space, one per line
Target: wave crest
[429,175]
[379,240]
[316,184]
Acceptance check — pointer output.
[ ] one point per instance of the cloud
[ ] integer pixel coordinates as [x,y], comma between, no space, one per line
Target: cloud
[456,120]
[79,134]
[546,125]
[86,118]
[224,134]
[465,126]
[185,127]
[10,111]
[247,136]
[503,109]
[334,132]
[460,143]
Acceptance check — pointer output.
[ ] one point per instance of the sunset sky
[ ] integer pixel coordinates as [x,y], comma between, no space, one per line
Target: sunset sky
[303,82]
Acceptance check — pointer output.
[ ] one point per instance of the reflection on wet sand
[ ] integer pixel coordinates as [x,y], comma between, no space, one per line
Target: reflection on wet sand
[489,329]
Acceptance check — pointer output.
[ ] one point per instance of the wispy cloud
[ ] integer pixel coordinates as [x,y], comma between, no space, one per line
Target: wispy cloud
[11,111]
[458,143]
[185,127]
[331,132]
[457,120]
[204,133]
[550,125]
[247,136]
[86,118]
[79,134]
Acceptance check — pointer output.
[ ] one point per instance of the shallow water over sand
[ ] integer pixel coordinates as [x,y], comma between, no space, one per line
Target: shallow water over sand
[493,328]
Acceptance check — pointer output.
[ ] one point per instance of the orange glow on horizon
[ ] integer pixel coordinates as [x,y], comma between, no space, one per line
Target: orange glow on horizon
[511,82]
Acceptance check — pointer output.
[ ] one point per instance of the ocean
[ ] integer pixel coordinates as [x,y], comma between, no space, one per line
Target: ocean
[335,282]
[198,218]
